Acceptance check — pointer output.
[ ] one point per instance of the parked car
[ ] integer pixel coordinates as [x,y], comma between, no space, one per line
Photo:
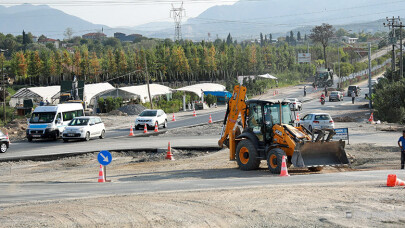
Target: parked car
[296,105]
[336,96]
[314,121]
[374,81]
[4,142]
[84,127]
[354,88]
[150,117]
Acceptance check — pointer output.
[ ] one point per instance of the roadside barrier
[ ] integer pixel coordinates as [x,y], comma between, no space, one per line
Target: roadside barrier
[284,171]
[169,154]
[274,93]
[393,181]
[131,131]
[145,129]
[101,175]
[174,118]
[194,113]
[156,127]
[210,120]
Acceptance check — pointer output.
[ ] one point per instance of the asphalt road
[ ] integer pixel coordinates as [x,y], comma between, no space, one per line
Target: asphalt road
[29,192]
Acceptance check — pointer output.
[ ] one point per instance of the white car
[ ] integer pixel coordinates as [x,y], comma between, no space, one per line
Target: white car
[296,105]
[317,121]
[150,117]
[84,127]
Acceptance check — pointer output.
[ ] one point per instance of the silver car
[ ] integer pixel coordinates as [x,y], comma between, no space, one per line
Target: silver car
[296,105]
[336,96]
[314,121]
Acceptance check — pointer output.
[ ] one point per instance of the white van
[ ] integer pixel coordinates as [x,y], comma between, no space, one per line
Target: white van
[50,121]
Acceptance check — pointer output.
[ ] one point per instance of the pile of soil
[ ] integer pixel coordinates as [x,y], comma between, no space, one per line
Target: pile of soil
[16,129]
[132,109]
[117,113]
[344,119]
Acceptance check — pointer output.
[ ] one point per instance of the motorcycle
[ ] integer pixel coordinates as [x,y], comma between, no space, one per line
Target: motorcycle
[322,101]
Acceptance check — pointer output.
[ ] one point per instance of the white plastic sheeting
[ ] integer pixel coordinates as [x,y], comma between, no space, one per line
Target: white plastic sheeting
[91,90]
[200,88]
[35,93]
[138,92]
[267,76]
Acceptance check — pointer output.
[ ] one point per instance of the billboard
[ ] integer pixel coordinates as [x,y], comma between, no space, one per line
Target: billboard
[304,57]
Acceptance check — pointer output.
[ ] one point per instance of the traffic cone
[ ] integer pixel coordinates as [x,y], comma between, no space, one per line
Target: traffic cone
[169,154]
[131,131]
[274,93]
[145,129]
[393,181]
[194,114]
[210,120]
[371,119]
[297,118]
[174,118]
[284,171]
[156,127]
[101,175]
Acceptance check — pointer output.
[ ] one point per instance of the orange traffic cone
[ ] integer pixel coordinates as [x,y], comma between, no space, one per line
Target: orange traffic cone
[210,120]
[131,131]
[371,119]
[297,118]
[9,141]
[169,154]
[274,93]
[101,175]
[393,181]
[284,171]
[145,129]
[156,127]
[174,118]
[194,114]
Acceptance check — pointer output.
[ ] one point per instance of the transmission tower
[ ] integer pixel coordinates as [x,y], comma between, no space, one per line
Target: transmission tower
[392,23]
[177,14]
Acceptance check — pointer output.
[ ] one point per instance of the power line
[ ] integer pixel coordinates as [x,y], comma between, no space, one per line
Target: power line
[177,15]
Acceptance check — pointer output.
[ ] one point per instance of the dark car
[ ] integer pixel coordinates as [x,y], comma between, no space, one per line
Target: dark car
[4,142]
[335,96]
[354,88]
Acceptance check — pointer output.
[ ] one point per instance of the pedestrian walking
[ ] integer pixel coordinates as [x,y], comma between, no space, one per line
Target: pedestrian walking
[326,91]
[401,144]
[353,95]
[305,91]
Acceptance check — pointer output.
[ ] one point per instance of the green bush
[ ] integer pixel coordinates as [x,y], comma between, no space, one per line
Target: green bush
[109,104]
[210,99]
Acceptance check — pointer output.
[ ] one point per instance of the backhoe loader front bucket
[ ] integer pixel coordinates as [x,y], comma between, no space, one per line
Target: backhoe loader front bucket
[312,154]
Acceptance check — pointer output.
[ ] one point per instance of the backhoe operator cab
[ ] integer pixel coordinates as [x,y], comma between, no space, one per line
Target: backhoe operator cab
[268,134]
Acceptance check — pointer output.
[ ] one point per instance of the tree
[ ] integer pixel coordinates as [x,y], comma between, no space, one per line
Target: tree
[322,34]
[299,36]
[229,39]
[261,39]
[341,32]
[68,33]
[271,38]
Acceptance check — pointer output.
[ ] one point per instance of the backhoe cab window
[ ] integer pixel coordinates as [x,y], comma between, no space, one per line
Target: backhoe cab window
[255,118]
[272,114]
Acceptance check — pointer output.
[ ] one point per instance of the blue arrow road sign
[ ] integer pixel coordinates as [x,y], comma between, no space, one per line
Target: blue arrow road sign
[104,157]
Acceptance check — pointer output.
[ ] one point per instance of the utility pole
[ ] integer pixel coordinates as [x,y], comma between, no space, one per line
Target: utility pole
[177,14]
[147,81]
[339,64]
[370,105]
[4,87]
[392,23]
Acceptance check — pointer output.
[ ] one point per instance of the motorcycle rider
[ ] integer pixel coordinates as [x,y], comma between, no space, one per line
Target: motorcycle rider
[322,98]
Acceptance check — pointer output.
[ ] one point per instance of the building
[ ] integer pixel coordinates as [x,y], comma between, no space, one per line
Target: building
[94,36]
[348,40]
[45,41]
[127,38]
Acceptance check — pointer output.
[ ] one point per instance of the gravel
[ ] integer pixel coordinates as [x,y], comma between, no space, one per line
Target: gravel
[133,109]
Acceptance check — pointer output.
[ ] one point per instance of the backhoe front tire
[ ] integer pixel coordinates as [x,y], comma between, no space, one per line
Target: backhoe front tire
[274,159]
[246,155]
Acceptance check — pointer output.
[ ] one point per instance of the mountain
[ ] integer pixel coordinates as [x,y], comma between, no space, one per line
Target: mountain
[43,19]
[246,17]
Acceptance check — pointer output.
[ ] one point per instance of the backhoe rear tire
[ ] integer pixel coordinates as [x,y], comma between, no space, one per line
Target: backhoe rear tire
[274,159]
[246,155]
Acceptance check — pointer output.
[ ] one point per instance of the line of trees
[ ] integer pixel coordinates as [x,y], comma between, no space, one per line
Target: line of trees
[167,61]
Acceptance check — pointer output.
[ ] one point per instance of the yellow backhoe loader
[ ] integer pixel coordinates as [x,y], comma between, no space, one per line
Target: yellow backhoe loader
[268,134]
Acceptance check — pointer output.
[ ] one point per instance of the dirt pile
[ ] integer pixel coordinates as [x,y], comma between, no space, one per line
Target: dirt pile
[344,119]
[117,113]
[132,109]
[16,129]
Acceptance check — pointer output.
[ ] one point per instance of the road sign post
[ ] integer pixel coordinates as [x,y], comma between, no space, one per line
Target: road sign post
[342,134]
[104,158]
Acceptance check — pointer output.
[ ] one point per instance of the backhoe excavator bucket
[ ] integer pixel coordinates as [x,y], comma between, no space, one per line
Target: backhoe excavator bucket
[312,154]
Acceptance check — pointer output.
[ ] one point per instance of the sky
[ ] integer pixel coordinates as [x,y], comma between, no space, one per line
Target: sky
[124,13]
